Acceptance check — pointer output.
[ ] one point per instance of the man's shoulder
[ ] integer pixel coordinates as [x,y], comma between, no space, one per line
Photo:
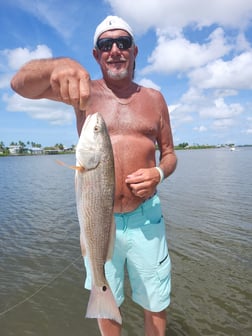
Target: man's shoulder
[95,82]
[151,92]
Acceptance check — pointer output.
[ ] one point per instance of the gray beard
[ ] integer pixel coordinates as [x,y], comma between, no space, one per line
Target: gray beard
[117,75]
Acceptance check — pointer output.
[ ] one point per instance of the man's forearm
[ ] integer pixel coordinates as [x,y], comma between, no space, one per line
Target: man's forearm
[60,79]
[33,79]
[168,164]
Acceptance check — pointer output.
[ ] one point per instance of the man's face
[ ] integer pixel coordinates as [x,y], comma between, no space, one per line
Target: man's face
[115,58]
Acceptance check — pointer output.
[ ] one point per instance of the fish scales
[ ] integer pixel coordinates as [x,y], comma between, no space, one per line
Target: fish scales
[97,210]
[95,184]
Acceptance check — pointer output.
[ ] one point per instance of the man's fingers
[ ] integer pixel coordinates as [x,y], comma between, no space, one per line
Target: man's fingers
[72,86]
[73,92]
[84,89]
[64,91]
[134,178]
[55,87]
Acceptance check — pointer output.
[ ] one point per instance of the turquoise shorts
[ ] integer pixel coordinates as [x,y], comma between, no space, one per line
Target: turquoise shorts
[140,245]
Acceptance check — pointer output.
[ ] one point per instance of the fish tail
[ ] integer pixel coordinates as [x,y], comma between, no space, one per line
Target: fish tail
[102,304]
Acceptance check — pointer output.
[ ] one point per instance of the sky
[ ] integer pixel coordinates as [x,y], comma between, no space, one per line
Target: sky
[198,53]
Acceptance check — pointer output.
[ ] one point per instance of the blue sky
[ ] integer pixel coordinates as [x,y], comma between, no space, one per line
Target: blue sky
[198,53]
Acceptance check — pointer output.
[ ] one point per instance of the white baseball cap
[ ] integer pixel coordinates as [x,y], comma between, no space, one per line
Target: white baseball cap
[110,23]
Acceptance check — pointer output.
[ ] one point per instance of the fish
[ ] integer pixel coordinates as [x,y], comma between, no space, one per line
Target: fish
[95,187]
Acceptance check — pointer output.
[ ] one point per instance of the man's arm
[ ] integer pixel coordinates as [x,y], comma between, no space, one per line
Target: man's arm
[144,181]
[168,159]
[60,79]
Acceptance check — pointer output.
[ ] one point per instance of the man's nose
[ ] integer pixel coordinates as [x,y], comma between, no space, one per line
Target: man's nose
[115,48]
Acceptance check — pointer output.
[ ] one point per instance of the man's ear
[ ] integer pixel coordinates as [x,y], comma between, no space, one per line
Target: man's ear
[135,51]
[96,54]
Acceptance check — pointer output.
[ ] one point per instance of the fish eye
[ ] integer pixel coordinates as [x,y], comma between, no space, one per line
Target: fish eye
[96,128]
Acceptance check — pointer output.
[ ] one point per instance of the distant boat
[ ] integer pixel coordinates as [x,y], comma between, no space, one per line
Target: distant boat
[232,148]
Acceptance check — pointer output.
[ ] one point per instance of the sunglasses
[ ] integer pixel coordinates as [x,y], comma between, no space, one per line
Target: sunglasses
[122,43]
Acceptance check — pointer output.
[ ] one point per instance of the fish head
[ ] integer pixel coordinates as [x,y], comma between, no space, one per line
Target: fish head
[89,148]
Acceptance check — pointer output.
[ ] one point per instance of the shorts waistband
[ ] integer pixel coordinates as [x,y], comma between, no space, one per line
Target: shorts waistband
[147,204]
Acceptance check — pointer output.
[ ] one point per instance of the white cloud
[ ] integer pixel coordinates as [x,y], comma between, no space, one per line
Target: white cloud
[223,61]
[17,57]
[242,44]
[225,92]
[144,14]
[221,110]
[248,131]
[179,54]
[13,59]
[54,112]
[233,74]
[149,83]
[5,80]
[200,129]
[51,13]
[194,96]
[194,107]
[222,124]
[180,114]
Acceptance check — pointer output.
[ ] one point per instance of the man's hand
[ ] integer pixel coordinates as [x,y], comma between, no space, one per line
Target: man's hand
[70,82]
[143,182]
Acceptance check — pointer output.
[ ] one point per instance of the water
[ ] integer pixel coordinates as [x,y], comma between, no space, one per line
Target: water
[207,206]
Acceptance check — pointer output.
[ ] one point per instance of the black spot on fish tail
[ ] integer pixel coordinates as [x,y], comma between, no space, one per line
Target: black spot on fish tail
[104,288]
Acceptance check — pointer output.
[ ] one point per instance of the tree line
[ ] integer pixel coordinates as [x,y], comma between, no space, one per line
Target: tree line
[23,147]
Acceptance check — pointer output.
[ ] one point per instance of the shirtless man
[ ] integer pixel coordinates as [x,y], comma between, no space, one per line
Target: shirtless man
[137,118]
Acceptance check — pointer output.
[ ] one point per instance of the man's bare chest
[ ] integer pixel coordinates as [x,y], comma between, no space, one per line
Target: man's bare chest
[138,119]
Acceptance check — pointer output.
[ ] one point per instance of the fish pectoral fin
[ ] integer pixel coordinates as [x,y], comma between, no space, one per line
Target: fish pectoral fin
[88,159]
[111,240]
[79,168]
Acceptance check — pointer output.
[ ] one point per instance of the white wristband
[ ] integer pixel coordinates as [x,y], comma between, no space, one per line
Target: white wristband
[161,173]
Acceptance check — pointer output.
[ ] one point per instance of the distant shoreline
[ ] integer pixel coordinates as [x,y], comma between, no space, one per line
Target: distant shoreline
[177,148]
[40,154]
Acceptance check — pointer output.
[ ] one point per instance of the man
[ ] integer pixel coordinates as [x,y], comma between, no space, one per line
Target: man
[137,118]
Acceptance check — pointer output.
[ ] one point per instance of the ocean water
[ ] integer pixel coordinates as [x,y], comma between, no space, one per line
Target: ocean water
[207,205]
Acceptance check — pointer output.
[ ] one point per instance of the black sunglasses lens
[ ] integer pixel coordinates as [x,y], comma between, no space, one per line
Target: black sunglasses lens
[123,43]
[105,44]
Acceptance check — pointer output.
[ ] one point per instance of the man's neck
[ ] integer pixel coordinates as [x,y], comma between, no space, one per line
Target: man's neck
[121,88]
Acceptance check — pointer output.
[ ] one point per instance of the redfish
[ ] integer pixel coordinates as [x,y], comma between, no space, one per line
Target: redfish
[95,186]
